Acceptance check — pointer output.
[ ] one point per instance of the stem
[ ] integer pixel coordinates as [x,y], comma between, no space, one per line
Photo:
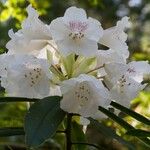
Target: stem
[9,147]
[89,144]
[100,77]
[53,47]
[57,72]
[95,69]
[68,132]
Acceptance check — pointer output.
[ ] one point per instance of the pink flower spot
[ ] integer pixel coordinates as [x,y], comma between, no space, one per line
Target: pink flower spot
[77,26]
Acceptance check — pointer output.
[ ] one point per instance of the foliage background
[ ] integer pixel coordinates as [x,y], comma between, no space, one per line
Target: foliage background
[12,12]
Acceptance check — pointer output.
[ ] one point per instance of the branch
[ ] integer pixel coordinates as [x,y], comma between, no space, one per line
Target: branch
[68,132]
[89,144]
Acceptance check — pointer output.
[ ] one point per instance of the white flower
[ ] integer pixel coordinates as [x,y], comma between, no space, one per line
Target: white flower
[55,90]
[75,33]
[83,95]
[138,70]
[114,71]
[115,37]
[125,90]
[124,80]
[107,57]
[5,60]
[33,36]
[134,70]
[28,77]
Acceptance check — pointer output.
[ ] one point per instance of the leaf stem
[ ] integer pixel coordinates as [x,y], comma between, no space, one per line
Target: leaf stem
[16,99]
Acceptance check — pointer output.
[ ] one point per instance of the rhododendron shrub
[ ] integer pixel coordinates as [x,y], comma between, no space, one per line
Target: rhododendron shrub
[60,68]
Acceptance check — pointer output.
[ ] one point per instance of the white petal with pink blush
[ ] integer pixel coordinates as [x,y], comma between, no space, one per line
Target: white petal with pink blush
[74,31]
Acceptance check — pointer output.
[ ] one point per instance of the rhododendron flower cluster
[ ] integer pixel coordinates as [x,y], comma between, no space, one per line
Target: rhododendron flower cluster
[63,59]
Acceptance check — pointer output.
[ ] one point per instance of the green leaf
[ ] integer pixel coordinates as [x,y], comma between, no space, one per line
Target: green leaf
[124,124]
[110,133]
[78,136]
[42,120]
[131,113]
[11,131]
[16,99]
[138,133]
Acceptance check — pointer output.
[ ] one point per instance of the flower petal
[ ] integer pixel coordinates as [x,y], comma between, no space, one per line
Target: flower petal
[74,13]
[115,37]
[58,29]
[94,31]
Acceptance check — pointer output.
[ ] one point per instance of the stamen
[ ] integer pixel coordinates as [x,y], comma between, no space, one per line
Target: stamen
[82,93]
[33,76]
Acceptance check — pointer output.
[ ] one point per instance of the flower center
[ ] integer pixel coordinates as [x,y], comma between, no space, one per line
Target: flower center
[131,70]
[122,82]
[76,36]
[77,29]
[82,93]
[33,76]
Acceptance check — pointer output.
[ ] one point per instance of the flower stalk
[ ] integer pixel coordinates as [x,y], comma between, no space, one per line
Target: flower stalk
[68,132]
[99,67]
